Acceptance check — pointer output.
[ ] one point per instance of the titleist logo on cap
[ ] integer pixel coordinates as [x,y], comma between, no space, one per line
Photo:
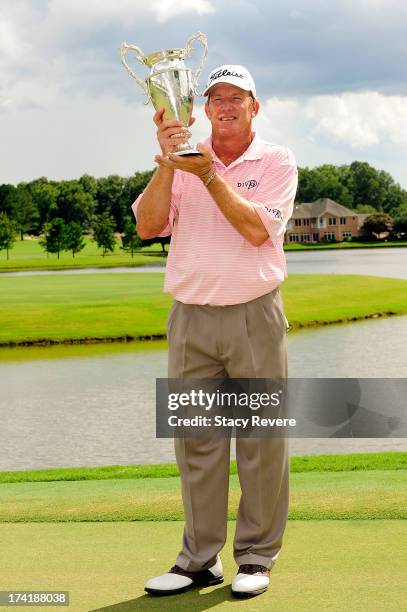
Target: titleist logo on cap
[234,74]
[225,72]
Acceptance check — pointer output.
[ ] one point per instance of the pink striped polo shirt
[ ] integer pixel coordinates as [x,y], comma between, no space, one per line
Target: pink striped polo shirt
[209,261]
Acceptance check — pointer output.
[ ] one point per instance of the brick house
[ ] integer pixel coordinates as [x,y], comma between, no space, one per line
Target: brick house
[323,220]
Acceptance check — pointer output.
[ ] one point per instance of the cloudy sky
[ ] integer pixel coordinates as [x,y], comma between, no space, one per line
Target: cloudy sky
[330,75]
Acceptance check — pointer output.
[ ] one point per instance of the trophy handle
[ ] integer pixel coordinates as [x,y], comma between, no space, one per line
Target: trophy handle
[140,57]
[203,40]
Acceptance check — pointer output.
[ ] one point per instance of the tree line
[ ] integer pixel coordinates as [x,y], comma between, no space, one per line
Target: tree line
[62,211]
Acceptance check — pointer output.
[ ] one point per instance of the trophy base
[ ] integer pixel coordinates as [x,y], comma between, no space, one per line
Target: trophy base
[188,152]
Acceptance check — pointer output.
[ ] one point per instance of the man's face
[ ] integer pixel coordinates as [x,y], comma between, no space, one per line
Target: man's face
[230,109]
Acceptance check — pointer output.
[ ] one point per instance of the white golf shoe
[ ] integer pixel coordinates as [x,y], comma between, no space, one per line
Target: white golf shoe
[251,580]
[178,580]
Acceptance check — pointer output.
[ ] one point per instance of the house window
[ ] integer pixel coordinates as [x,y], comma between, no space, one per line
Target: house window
[294,237]
[346,234]
[332,221]
[329,236]
[315,236]
[322,223]
[304,237]
[306,221]
[297,222]
[343,220]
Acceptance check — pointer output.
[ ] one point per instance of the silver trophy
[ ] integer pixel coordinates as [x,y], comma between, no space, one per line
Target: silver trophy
[170,84]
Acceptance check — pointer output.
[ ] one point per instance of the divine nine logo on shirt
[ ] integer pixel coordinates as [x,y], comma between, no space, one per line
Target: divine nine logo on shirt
[249,184]
[275,212]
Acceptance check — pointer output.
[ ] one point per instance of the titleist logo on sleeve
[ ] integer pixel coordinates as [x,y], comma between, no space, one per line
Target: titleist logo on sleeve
[225,72]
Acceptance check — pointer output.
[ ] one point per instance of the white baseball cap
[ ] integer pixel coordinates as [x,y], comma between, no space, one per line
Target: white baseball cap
[233,74]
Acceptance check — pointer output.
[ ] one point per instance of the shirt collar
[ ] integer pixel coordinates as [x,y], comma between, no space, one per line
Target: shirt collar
[255,150]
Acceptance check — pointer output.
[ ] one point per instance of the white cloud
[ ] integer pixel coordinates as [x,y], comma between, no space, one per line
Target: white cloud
[99,137]
[11,47]
[105,135]
[47,50]
[169,9]
[359,120]
[93,13]
[59,58]
[356,120]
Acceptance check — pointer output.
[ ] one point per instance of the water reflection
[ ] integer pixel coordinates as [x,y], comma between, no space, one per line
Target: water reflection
[390,262]
[94,404]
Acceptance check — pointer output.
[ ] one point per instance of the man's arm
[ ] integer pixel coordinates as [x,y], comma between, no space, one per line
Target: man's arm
[238,211]
[254,220]
[154,205]
[153,208]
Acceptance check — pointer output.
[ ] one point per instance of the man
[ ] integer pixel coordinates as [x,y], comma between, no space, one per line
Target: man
[227,210]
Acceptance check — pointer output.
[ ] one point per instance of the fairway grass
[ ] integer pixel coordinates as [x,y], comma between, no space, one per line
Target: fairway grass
[28,255]
[98,307]
[349,462]
[102,537]
[328,566]
[375,494]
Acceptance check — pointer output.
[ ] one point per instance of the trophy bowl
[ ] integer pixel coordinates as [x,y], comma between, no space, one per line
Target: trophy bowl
[170,84]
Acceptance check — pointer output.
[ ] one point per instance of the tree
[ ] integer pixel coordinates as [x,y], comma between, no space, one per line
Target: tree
[377,223]
[74,203]
[89,184]
[370,186]
[54,236]
[6,200]
[74,241]
[103,228]
[365,209]
[44,194]
[24,212]
[110,199]
[7,233]
[134,185]
[400,221]
[130,240]
[157,240]
[325,181]
[396,197]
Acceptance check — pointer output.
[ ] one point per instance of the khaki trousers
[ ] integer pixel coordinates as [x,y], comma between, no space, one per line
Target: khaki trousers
[240,341]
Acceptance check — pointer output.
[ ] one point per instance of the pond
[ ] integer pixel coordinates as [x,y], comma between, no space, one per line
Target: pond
[390,262]
[91,405]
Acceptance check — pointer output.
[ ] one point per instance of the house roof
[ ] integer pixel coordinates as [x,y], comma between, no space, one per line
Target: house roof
[321,206]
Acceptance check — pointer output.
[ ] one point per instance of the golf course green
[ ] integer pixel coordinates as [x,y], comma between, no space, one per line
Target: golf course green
[98,307]
[101,532]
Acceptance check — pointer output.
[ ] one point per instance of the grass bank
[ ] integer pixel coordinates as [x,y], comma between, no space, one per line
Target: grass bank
[99,307]
[375,494]
[28,255]
[353,486]
[351,462]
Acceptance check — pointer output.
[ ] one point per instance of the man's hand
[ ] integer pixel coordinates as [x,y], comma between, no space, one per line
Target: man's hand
[200,165]
[170,132]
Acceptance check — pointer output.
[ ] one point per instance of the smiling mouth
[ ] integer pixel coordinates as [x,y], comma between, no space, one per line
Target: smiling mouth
[227,118]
